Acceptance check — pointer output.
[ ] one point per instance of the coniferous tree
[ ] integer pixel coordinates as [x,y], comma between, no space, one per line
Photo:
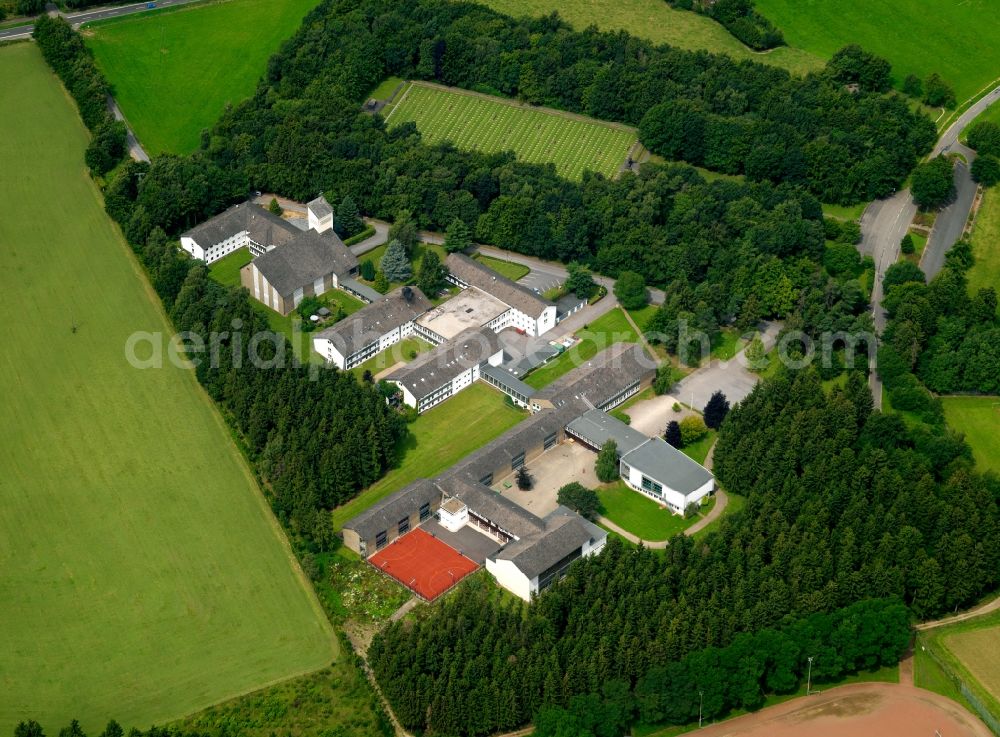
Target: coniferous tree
[673,434]
[395,263]
[430,276]
[457,238]
[274,207]
[716,410]
[523,478]
[348,218]
[404,230]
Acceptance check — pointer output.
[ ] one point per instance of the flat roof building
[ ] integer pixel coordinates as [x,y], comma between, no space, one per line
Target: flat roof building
[471,308]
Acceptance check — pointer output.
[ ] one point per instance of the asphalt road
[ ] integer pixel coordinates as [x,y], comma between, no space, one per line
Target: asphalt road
[950,222]
[885,222]
[85,16]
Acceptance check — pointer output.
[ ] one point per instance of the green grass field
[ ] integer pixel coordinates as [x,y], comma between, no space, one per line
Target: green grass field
[698,451]
[986,243]
[174,70]
[392,355]
[971,651]
[227,269]
[144,576]
[511,270]
[641,516]
[432,445]
[608,329]
[955,39]
[658,22]
[481,123]
[978,418]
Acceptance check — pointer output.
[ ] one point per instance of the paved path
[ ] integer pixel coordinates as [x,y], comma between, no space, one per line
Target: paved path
[86,16]
[407,607]
[949,226]
[990,606]
[135,149]
[885,222]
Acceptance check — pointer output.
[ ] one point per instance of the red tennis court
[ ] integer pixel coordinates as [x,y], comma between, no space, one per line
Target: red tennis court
[423,564]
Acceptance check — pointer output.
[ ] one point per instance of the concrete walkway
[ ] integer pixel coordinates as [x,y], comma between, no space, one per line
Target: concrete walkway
[407,607]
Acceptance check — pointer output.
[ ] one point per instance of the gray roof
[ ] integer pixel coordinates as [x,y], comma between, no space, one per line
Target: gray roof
[475,274]
[530,433]
[320,207]
[263,226]
[507,379]
[659,460]
[373,321]
[437,367]
[565,531]
[489,504]
[387,513]
[362,290]
[597,427]
[304,259]
[601,378]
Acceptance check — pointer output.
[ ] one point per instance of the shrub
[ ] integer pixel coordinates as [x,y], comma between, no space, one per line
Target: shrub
[937,92]
[606,467]
[906,245]
[693,429]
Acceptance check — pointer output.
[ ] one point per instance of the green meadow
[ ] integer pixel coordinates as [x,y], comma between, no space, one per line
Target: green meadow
[175,70]
[143,574]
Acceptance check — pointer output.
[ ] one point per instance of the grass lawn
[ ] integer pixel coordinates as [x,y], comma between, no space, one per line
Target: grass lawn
[511,270]
[978,418]
[392,355]
[928,674]
[489,124]
[643,316]
[658,22]
[919,242]
[174,70]
[144,576]
[986,242]
[605,331]
[641,516]
[971,651]
[726,344]
[432,445]
[916,36]
[227,269]
[845,212]
[699,451]
[386,88]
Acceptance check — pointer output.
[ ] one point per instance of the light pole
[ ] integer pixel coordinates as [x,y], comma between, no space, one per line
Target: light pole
[809,676]
[701,701]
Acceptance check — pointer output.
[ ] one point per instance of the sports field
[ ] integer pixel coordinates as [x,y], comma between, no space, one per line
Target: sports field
[423,564]
[658,22]
[958,40]
[489,124]
[174,70]
[142,575]
[978,418]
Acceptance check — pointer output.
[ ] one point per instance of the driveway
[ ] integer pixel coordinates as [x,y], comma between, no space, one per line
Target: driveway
[732,377]
[950,222]
[652,415]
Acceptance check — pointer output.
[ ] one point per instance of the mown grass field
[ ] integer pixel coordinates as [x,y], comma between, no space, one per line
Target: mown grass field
[143,575]
[971,651]
[511,270]
[639,515]
[979,419]
[610,328]
[986,243]
[439,438]
[489,124]
[174,70]
[658,22]
[958,40]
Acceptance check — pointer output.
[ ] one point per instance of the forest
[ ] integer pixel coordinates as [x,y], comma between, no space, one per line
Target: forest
[939,335]
[851,518]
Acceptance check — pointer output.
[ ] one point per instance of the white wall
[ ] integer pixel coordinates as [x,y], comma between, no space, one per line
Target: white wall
[546,321]
[675,501]
[191,246]
[454,522]
[320,225]
[325,348]
[511,578]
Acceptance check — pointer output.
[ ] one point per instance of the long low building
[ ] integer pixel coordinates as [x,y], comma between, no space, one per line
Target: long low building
[245,225]
[526,311]
[532,552]
[372,329]
[448,369]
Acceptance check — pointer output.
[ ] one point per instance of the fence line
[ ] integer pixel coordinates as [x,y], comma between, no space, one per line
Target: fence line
[991,719]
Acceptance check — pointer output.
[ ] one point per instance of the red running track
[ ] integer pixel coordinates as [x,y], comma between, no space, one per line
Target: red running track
[423,563]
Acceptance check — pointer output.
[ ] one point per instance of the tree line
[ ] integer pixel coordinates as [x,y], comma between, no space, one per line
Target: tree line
[72,61]
[845,505]
[740,18]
